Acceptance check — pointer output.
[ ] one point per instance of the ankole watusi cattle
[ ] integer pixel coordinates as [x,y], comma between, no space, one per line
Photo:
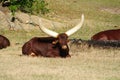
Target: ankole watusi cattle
[4,42]
[54,46]
[107,35]
[110,38]
[105,39]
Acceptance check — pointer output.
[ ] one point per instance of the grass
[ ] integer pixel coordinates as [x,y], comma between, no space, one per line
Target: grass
[89,64]
[85,63]
[96,18]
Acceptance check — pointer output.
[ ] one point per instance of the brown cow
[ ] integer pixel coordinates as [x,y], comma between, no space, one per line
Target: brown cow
[107,35]
[4,42]
[55,46]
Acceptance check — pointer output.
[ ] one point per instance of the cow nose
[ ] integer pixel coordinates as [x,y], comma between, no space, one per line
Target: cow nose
[64,47]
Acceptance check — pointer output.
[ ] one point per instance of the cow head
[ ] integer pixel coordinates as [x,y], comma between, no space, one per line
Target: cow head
[62,38]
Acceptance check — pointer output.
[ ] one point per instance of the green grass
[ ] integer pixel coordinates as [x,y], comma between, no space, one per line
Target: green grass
[85,64]
[96,18]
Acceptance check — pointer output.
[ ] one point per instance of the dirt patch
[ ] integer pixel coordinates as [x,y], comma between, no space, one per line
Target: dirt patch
[112,10]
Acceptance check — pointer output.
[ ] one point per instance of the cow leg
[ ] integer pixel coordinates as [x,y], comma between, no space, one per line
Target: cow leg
[52,54]
[33,54]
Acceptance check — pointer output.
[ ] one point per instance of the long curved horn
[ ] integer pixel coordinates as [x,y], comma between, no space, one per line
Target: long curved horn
[47,31]
[73,30]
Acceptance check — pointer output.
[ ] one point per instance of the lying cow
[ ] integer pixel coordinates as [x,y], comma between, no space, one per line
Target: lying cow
[4,42]
[55,46]
[107,35]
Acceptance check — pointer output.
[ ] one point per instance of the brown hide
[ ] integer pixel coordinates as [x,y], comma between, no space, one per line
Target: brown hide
[47,46]
[4,42]
[107,35]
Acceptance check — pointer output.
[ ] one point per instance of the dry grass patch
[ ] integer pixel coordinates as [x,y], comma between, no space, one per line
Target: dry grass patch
[87,64]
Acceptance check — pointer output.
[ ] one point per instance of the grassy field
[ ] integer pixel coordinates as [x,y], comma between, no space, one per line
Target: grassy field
[99,15]
[84,64]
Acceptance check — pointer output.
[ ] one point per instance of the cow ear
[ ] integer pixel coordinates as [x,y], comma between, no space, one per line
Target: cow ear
[68,40]
[55,42]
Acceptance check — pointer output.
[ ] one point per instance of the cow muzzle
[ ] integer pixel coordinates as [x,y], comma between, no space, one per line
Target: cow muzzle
[64,47]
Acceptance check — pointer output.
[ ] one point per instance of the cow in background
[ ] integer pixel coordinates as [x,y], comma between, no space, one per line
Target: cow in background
[107,35]
[4,42]
[54,46]
[105,39]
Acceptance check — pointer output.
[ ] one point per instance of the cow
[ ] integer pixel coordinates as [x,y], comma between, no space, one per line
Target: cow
[53,46]
[105,39]
[4,42]
[107,35]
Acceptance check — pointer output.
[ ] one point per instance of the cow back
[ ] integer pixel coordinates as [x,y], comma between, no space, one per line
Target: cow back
[107,35]
[4,42]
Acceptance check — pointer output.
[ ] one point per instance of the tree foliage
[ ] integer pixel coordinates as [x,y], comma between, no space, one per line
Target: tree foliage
[28,6]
